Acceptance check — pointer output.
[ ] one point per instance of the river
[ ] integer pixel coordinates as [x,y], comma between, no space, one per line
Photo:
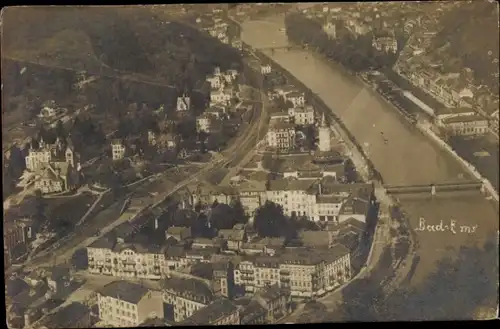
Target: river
[407,158]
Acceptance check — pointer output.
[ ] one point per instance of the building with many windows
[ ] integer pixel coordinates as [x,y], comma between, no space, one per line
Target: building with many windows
[133,260]
[218,313]
[281,136]
[118,149]
[127,304]
[185,296]
[305,272]
[302,115]
[470,125]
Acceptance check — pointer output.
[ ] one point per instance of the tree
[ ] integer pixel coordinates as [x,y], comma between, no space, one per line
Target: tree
[270,221]
[222,217]
[350,172]
[79,259]
[238,211]
[59,130]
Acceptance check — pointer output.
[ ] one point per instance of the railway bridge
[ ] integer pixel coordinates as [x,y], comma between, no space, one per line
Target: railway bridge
[274,48]
[433,189]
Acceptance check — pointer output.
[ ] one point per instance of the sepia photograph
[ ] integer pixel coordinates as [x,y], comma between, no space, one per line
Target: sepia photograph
[250,163]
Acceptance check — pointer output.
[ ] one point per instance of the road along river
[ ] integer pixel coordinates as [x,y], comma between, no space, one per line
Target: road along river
[407,158]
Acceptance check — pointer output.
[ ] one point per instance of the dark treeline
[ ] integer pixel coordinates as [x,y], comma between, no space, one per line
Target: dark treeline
[355,53]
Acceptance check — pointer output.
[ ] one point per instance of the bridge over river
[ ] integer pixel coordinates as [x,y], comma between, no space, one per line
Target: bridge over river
[405,158]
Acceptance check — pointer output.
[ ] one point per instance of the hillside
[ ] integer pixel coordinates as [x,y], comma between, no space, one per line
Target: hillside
[127,39]
[468,37]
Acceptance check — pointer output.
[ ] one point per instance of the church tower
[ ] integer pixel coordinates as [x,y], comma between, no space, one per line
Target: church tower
[324,136]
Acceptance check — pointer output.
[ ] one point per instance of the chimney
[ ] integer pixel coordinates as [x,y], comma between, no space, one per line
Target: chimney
[156,223]
[320,189]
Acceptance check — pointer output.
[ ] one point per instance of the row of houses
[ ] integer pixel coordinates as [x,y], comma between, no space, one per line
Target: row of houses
[315,198]
[126,304]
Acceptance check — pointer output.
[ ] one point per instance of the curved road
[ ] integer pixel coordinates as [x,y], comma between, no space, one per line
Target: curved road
[408,158]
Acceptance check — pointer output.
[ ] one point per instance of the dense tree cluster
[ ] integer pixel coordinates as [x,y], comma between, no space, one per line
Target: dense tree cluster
[461,42]
[354,53]
[470,274]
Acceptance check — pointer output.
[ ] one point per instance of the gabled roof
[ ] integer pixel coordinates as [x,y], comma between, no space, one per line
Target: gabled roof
[232,234]
[211,313]
[124,290]
[189,288]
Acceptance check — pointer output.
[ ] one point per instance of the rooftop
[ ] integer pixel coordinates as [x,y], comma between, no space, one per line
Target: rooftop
[329,199]
[67,316]
[124,290]
[211,313]
[464,118]
[189,288]
[280,125]
[232,234]
[457,110]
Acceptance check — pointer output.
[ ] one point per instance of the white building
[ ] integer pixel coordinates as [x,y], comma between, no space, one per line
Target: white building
[265,69]
[297,98]
[126,260]
[331,30]
[118,149]
[303,115]
[127,304]
[219,97]
[385,44]
[215,82]
[306,273]
[281,136]
[324,136]
[204,123]
[183,103]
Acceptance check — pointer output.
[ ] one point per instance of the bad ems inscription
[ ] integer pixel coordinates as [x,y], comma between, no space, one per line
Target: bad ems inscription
[450,226]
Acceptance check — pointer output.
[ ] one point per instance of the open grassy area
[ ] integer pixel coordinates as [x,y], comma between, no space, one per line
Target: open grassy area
[63,213]
[216,177]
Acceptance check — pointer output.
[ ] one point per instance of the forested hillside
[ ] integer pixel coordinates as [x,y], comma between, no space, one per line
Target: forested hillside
[469,36]
[128,40]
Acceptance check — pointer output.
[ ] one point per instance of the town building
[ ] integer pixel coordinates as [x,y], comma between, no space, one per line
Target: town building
[219,97]
[185,296]
[16,237]
[54,167]
[470,125]
[215,81]
[387,44]
[133,260]
[303,115]
[223,279]
[233,237]
[127,304]
[304,272]
[183,103]
[218,313]
[331,30]
[49,110]
[236,43]
[281,136]
[297,98]
[252,196]
[279,117]
[118,149]
[204,123]
[275,300]
[265,69]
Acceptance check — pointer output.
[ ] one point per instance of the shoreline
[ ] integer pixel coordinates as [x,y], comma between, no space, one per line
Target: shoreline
[471,169]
